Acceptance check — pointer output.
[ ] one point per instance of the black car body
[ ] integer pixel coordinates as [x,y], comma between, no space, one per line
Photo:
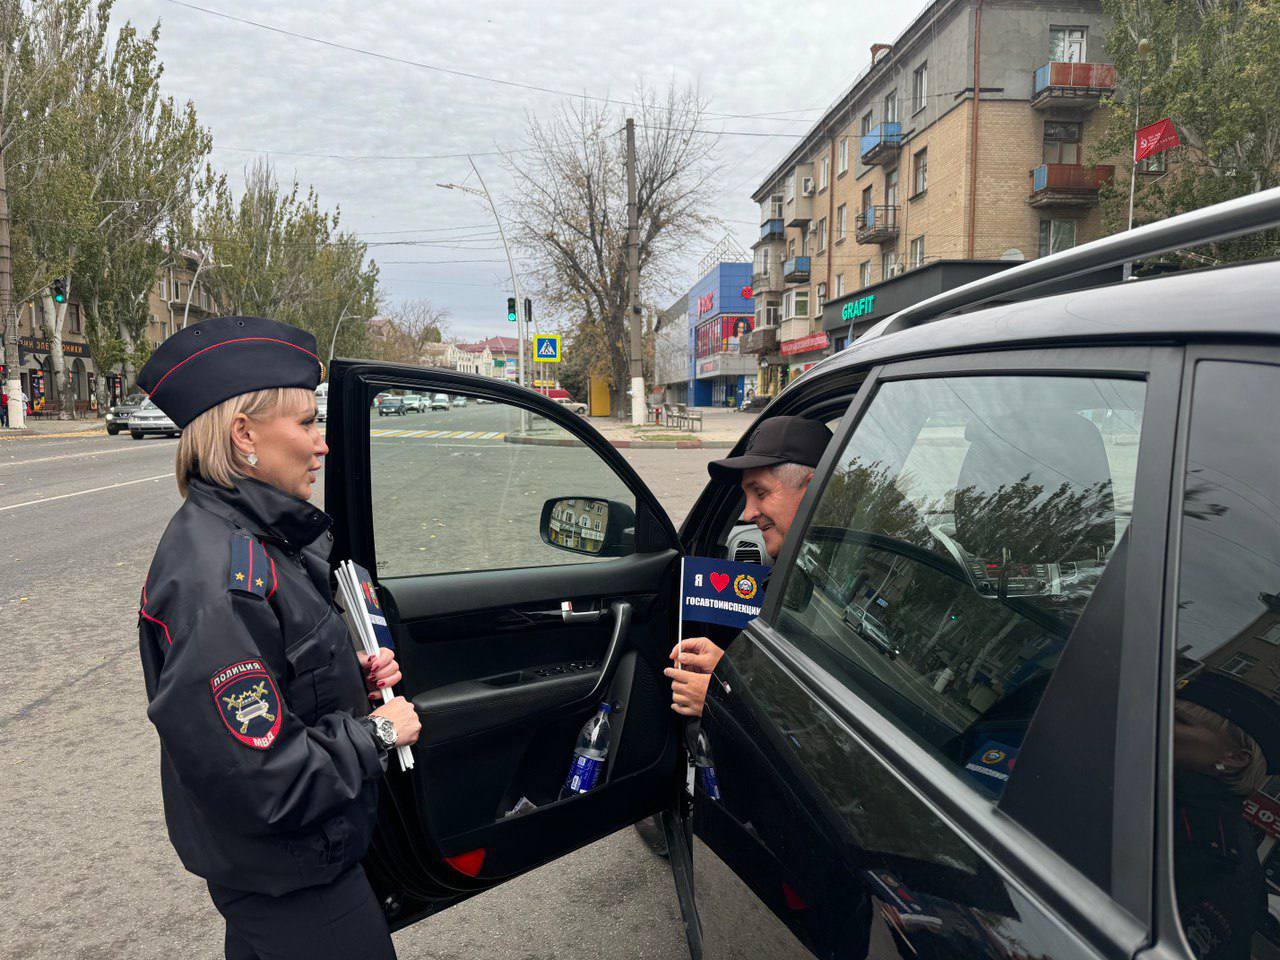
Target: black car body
[391,406]
[1067,509]
[117,417]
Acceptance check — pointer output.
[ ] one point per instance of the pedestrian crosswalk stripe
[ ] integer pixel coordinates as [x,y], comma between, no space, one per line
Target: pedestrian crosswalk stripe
[436,434]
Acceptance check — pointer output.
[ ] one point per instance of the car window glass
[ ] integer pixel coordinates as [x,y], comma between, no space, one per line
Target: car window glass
[460,484]
[1226,723]
[954,546]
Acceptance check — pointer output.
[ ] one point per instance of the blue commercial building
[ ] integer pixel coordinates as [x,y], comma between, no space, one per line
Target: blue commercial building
[720,317]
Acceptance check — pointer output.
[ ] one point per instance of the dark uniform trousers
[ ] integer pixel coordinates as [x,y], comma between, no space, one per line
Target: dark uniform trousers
[270,776]
[338,921]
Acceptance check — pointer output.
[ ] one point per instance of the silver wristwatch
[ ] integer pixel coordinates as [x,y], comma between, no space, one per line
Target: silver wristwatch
[384,734]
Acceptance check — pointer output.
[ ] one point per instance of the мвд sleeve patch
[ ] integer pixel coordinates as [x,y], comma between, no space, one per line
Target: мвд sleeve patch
[248,702]
[252,571]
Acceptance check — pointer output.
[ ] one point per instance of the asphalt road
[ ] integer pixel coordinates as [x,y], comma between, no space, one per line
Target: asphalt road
[88,870]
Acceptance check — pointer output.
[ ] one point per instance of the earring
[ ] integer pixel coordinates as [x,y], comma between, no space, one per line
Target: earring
[253,459]
[1220,767]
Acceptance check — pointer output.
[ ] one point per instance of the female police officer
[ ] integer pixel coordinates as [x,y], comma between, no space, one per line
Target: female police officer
[269,764]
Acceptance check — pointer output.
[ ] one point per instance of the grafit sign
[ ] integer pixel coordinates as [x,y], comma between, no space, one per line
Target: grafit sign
[862,307]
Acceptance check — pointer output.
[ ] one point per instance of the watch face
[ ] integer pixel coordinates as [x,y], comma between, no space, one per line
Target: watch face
[386,731]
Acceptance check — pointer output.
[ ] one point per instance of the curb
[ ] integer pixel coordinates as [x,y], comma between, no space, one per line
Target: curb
[626,444]
[13,433]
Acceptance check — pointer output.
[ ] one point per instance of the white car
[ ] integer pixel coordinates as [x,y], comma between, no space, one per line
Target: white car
[150,420]
[440,401]
[459,401]
[414,402]
[574,405]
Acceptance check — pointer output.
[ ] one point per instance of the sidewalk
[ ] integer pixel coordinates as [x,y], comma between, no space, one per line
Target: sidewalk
[721,427]
[88,427]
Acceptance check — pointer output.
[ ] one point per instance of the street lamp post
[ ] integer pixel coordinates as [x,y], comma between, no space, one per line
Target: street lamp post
[333,342]
[515,280]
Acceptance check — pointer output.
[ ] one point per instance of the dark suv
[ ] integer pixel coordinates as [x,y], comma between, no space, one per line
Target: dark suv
[1065,514]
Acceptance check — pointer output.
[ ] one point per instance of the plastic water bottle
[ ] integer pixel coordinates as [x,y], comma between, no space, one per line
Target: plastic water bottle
[589,755]
[705,765]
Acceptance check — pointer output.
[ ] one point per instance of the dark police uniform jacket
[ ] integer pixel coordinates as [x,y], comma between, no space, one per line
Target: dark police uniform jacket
[269,778]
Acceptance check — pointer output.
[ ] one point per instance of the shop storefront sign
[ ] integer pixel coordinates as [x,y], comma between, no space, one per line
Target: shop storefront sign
[70,348]
[814,341]
[856,309]
[709,367]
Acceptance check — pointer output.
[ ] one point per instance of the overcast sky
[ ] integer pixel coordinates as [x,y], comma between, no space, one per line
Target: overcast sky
[265,93]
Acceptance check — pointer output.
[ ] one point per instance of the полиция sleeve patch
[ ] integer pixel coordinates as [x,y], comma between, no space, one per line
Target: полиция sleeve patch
[251,571]
[248,702]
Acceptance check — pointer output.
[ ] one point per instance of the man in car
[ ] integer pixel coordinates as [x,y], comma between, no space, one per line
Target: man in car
[774,473]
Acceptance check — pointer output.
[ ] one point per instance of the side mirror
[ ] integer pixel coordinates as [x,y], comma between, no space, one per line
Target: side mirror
[589,526]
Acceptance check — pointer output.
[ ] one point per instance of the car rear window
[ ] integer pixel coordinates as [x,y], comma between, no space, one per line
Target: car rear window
[956,542]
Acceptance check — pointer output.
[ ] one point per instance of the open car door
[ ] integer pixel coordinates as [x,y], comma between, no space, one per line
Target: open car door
[527,576]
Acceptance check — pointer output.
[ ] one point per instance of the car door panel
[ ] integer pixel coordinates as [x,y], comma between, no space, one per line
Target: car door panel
[923,864]
[502,680]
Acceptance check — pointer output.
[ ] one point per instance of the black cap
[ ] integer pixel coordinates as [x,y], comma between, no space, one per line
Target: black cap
[1247,707]
[777,440]
[214,360]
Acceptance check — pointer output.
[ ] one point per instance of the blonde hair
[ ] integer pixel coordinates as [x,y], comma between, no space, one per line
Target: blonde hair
[205,449]
[1254,773]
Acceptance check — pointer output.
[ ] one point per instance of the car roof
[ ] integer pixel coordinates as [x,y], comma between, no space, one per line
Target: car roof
[1233,302]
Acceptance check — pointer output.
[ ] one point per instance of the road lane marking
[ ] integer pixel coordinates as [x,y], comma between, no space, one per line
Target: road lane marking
[81,493]
[88,453]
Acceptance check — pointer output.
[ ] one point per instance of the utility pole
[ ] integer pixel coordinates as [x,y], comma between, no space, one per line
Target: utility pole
[13,380]
[633,281]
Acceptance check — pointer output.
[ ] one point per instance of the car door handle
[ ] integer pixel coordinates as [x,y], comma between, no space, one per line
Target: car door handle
[621,611]
[566,614]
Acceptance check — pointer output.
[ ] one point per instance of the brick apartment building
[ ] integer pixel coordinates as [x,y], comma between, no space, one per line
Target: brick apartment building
[909,168]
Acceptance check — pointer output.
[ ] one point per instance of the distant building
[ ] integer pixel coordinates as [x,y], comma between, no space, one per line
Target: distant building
[505,352]
[671,352]
[166,304]
[720,318]
[909,167]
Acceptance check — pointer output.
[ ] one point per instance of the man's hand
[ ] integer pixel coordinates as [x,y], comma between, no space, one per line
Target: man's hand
[688,691]
[695,659]
[379,672]
[697,654]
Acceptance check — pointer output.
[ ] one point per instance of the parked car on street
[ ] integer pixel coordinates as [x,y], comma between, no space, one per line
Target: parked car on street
[562,397]
[391,406]
[440,401]
[149,420]
[117,417]
[1071,755]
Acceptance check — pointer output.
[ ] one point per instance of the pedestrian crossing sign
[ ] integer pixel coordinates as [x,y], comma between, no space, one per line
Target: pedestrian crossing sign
[546,347]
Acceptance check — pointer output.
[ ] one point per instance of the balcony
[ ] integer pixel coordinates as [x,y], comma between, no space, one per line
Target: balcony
[772,229]
[800,210]
[770,280]
[761,340]
[1079,85]
[881,144]
[1068,184]
[877,225]
[796,270]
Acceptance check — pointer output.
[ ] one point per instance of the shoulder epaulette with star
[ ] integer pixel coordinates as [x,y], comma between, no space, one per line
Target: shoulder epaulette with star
[252,571]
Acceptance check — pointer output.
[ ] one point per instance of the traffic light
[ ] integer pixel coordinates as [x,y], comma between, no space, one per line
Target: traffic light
[511,309]
[59,288]
[528,310]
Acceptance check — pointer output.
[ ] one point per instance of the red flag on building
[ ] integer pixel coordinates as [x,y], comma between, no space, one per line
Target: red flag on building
[1157,138]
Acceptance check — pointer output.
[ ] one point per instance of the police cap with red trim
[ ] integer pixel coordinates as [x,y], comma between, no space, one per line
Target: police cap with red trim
[214,360]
